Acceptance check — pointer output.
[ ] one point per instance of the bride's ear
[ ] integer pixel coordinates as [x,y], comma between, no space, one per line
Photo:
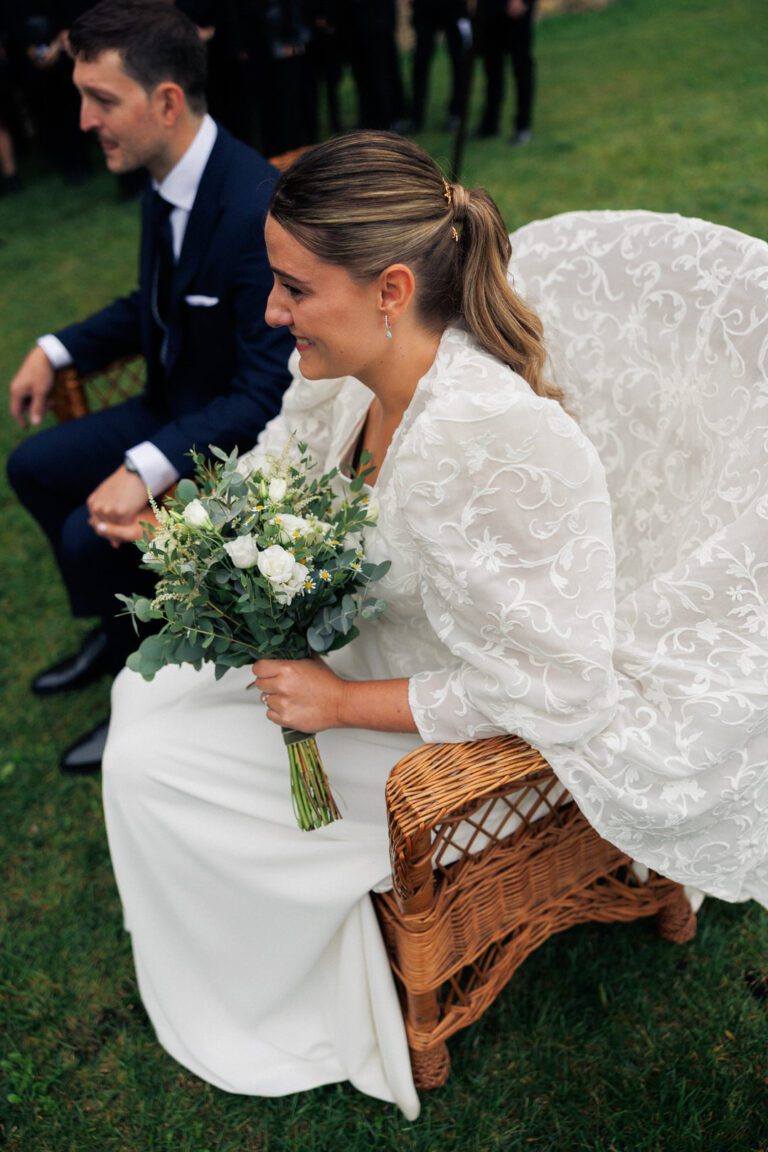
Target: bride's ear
[397,285]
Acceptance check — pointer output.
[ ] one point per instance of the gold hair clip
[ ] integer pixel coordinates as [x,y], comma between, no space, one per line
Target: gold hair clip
[455,234]
[448,191]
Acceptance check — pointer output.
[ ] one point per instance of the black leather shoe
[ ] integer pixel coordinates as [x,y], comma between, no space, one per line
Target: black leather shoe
[83,758]
[94,659]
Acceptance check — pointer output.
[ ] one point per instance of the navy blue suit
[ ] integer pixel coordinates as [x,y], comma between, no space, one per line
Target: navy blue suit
[224,374]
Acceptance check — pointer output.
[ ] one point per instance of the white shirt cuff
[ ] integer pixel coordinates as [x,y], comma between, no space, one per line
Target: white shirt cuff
[55,351]
[155,469]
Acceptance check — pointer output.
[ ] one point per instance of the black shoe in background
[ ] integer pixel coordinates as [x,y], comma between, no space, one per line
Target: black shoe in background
[96,658]
[83,758]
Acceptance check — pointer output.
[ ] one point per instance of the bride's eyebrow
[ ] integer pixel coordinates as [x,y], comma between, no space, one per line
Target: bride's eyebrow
[287,276]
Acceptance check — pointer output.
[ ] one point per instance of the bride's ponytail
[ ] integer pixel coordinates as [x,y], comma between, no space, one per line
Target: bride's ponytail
[497,317]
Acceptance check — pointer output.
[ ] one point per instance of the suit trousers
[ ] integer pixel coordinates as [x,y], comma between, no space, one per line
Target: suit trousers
[427,22]
[503,35]
[53,473]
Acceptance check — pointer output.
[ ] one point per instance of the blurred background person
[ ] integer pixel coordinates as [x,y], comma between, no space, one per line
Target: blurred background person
[8,114]
[282,74]
[505,29]
[219,25]
[326,57]
[45,77]
[430,18]
[368,29]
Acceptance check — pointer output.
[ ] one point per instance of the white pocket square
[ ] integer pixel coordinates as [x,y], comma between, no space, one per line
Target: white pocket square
[201,301]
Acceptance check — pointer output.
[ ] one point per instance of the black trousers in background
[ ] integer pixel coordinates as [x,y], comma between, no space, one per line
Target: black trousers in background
[502,36]
[367,32]
[429,18]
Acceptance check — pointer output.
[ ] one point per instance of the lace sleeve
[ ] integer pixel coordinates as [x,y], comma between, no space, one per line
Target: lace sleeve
[513,534]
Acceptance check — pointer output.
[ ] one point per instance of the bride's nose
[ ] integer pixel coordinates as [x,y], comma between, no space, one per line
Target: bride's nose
[277,314]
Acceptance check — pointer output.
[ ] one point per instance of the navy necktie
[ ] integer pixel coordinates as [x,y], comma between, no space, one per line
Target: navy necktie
[163,274]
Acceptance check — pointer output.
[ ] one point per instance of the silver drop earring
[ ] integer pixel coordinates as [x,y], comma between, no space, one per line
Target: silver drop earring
[387,327]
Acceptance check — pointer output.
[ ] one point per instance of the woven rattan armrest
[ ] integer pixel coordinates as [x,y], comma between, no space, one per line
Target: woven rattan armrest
[438,782]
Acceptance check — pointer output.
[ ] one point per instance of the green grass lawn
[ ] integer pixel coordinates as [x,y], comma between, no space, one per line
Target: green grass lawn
[607,1040]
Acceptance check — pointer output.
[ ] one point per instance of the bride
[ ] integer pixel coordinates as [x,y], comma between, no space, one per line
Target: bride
[257,951]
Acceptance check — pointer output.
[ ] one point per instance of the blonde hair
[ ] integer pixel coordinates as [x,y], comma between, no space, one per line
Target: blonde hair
[366,200]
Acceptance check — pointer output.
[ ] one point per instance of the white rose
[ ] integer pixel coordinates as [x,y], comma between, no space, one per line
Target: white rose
[284,593]
[277,489]
[319,528]
[283,572]
[276,564]
[291,527]
[256,461]
[242,551]
[196,516]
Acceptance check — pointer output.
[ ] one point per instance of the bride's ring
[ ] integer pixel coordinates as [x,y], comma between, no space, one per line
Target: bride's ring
[265,697]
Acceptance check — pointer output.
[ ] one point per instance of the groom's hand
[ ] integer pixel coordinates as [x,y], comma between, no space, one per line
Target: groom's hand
[143,523]
[118,499]
[30,389]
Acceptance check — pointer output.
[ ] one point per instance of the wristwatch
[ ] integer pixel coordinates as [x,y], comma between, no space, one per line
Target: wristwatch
[129,466]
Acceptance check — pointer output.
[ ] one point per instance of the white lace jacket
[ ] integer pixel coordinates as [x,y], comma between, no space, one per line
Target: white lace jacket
[494,512]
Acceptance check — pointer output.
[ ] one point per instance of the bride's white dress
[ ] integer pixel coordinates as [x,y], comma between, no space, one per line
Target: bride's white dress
[257,950]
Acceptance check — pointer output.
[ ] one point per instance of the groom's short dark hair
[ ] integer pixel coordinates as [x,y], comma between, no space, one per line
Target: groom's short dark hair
[156,42]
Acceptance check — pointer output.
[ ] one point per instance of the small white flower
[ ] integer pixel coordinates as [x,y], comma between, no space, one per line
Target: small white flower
[196,516]
[242,551]
[324,574]
[277,489]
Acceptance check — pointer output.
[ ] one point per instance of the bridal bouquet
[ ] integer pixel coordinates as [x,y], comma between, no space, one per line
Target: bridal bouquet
[260,557]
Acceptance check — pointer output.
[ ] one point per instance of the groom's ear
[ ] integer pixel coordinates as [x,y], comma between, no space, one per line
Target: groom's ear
[397,285]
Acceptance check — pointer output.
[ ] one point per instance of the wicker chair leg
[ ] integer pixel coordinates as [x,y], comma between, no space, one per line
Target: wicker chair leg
[431,1069]
[676,921]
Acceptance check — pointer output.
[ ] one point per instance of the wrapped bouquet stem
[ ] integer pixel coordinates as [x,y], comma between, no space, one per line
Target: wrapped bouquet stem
[260,557]
[313,800]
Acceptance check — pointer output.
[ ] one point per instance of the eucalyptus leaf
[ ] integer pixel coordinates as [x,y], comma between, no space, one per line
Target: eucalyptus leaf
[145,612]
[186,490]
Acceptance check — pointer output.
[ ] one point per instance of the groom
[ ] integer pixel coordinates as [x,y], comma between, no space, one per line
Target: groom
[215,371]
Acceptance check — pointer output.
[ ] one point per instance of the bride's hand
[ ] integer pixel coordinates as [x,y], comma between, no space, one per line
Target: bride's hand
[301,694]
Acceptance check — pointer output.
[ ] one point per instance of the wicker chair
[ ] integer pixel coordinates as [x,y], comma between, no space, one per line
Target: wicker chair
[457,932]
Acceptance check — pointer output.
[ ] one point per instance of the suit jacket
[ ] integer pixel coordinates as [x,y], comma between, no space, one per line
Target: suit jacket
[225,369]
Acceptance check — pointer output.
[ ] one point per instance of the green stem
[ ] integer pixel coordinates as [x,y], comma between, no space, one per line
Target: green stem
[313,801]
